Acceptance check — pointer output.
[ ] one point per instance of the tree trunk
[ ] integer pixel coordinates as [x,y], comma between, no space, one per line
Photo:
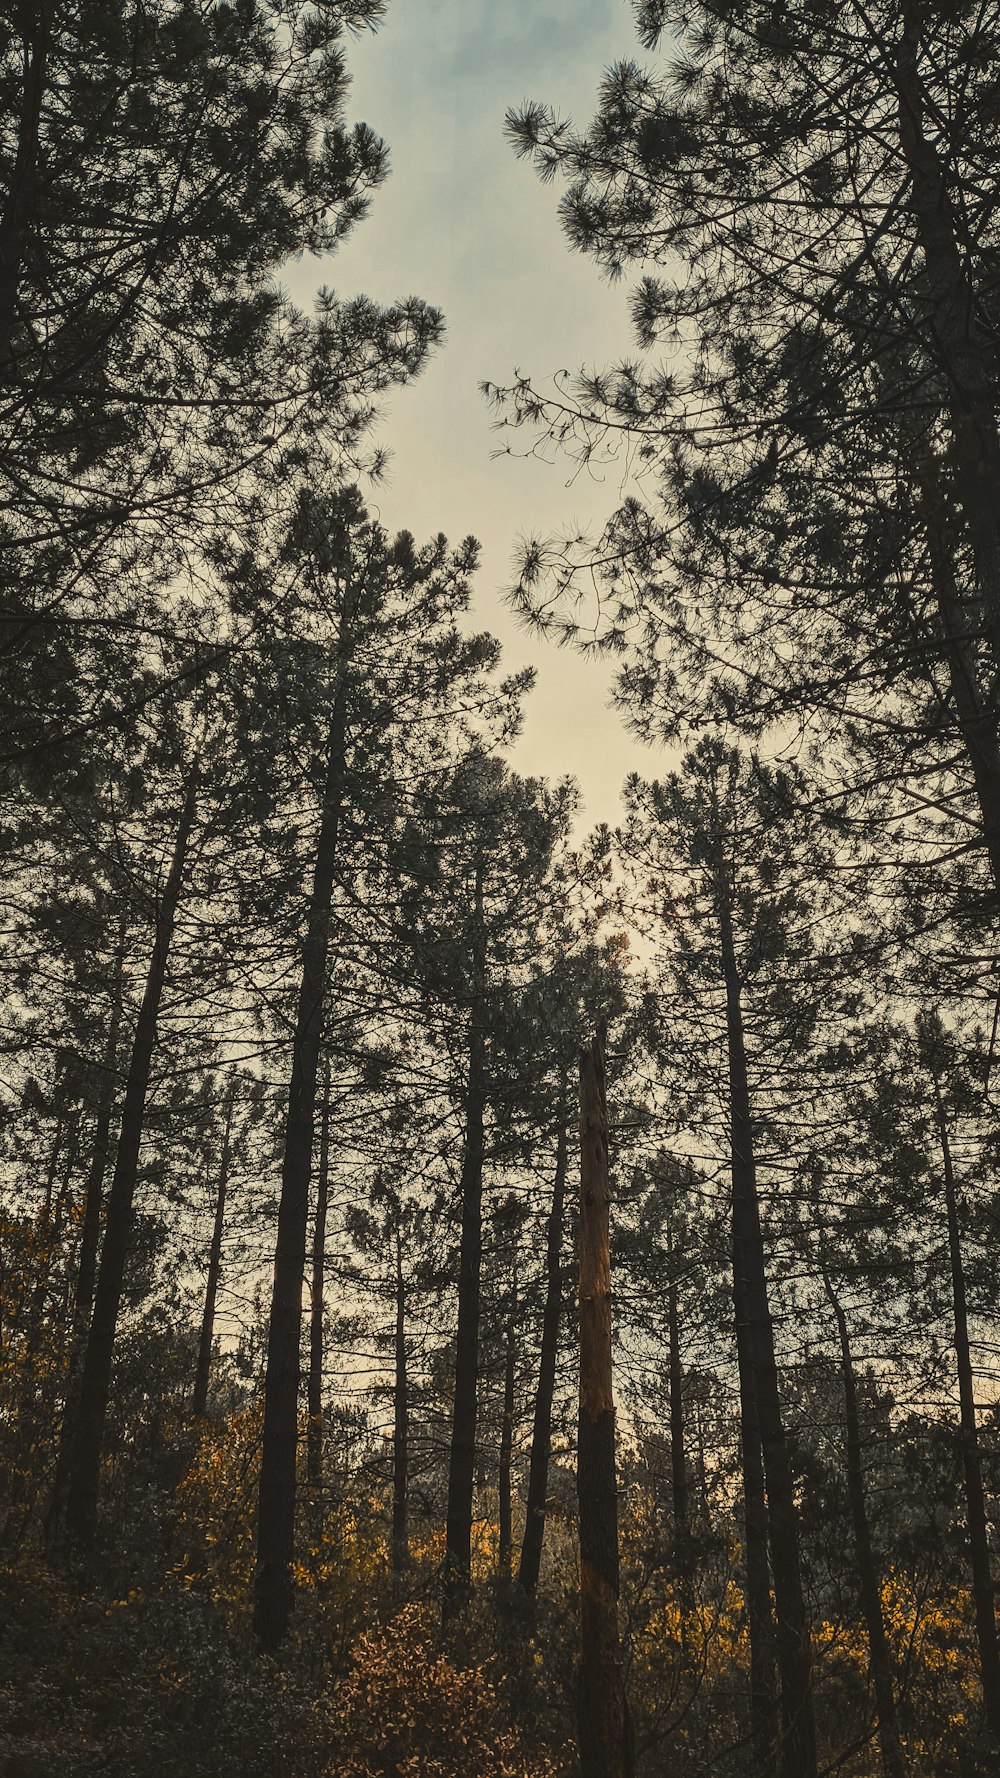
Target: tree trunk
[954,332]
[86,1433]
[879,1659]
[400,1432]
[199,1401]
[273,1585]
[314,1391]
[602,1720]
[541,1430]
[462,1467]
[798,1755]
[976,719]
[90,1234]
[975,1503]
[21,201]
[760,1611]
[505,1525]
[675,1379]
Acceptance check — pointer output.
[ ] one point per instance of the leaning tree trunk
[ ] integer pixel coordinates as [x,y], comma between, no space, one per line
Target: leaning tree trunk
[955,334]
[84,1435]
[199,1401]
[798,1756]
[462,1465]
[314,1391]
[602,1715]
[879,1658]
[975,1503]
[400,1432]
[504,1516]
[273,1584]
[541,1431]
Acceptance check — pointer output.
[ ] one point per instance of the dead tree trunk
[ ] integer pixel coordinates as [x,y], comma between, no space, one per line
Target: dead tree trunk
[86,1433]
[602,1721]
[462,1466]
[541,1431]
[400,1431]
[798,1738]
[879,1658]
[314,1392]
[199,1400]
[975,1502]
[273,1585]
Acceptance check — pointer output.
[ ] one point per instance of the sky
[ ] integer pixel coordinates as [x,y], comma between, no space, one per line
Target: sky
[464,224]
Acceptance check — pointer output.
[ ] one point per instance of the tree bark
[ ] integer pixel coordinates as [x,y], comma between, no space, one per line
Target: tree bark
[759,1607]
[675,1380]
[977,721]
[273,1586]
[957,342]
[462,1465]
[798,1731]
[21,201]
[879,1658]
[400,1431]
[975,1503]
[90,1234]
[314,1390]
[505,1522]
[541,1429]
[602,1718]
[199,1402]
[86,1433]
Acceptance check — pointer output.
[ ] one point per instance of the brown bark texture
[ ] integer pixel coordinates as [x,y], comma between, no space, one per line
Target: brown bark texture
[314,1387]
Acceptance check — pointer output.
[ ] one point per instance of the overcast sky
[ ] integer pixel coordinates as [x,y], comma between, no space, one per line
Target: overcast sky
[465,225]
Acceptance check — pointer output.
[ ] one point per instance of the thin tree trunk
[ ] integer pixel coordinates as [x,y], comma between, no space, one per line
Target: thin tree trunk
[20,208]
[400,1431]
[314,1391]
[759,1607]
[541,1431]
[273,1586]
[751,1304]
[202,1374]
[879,1659]
[506,1528]
[86,1434]
[975,1503]
[90,1233]
[678,1458]
[956,335]
[602,1718]
[976,719]
[462,1466]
